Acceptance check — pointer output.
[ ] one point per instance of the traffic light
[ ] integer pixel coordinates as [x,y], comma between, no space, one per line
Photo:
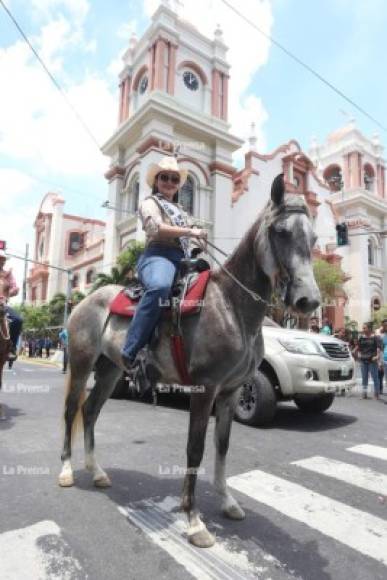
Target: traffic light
[342,234]
[3,245]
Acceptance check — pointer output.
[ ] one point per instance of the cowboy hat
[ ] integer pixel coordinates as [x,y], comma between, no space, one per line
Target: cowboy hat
[167,164]
[3,255]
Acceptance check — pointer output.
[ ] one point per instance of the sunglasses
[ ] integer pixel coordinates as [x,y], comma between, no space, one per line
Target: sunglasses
[166,177]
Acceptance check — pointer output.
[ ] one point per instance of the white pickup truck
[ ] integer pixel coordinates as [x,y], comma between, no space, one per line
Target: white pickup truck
[298,366]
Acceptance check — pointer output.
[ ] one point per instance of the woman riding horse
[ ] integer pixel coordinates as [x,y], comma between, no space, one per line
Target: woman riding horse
[8,289]
[168,229]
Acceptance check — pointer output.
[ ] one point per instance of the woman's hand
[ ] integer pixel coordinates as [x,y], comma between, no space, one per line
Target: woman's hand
[199,233]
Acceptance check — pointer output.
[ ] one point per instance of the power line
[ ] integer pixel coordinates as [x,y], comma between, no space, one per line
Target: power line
[51,76]
[305,66]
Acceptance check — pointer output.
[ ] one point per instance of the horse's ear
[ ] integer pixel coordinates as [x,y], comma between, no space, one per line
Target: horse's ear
[278,189]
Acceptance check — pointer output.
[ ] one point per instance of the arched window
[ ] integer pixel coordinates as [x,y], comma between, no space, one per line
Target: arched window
[333,177]
[371,253]
[76,243]
[187,195]
[130,198]
[90,276]
[75,281]
[369,177]
[134,193]
[375,304]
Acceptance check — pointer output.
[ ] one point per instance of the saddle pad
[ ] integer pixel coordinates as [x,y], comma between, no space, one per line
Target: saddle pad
[125,306]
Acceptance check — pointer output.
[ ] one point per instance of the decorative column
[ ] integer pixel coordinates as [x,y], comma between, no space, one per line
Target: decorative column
[171,68]
[126,97]
[346,172]
[121,103]
[215,93]
[115,176]
[380,180]
[160,50]
[225,97]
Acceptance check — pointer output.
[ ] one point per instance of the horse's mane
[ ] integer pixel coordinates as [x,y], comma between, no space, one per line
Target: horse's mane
[269,215]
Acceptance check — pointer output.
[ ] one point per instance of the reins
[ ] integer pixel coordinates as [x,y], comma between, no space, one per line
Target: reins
[253,294]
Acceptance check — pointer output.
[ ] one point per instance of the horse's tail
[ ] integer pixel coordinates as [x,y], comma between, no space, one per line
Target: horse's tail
[75,399]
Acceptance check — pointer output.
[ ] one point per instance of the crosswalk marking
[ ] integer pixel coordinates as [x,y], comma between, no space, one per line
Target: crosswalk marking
[167,529]
[23,554]
[370,450]
[357,529]
[352,474]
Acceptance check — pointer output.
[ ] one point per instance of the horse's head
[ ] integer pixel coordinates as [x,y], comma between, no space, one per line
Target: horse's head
[284,247]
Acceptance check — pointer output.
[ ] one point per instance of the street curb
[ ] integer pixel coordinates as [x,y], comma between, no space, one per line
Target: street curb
[42,363]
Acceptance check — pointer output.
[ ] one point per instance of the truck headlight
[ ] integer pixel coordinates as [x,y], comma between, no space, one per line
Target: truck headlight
[301,346]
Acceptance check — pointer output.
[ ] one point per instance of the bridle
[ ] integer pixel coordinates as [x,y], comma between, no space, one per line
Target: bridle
[284,277]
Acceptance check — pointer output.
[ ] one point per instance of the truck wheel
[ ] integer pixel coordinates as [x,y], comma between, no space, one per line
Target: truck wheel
[257,402]
[314,403]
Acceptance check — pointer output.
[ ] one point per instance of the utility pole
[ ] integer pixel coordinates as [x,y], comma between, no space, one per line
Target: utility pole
[24,296]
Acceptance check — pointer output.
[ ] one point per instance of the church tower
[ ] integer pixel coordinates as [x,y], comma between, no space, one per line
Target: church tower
[173,98]
[353,167]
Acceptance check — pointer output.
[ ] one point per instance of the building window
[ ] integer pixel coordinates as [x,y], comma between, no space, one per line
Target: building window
[333,177]
[90,276]
[371,253]
[187,194]
[134,193]
[76,243]
[75,281]
[375,304]
[369,177]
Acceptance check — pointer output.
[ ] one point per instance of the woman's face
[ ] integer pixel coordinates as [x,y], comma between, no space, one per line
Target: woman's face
[167,183]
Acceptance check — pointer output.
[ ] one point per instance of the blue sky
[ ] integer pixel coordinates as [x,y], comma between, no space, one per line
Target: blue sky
[42,147]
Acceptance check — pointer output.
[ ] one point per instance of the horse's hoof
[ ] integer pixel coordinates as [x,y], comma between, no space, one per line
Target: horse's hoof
[202,539]
[234,512]
[66,480]
[102,481]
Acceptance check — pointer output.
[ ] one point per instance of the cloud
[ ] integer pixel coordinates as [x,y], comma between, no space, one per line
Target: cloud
[248,52]
[36,125]
[16,217]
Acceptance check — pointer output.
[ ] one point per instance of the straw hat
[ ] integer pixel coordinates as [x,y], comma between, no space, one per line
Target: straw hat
[167,164]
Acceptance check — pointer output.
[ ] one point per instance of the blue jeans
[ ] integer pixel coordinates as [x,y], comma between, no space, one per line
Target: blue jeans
[366,368]
[156,269]
[15,325]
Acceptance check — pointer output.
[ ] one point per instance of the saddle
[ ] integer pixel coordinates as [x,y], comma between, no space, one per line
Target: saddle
[186,294]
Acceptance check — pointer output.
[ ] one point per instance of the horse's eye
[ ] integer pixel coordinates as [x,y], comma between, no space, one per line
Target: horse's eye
[283,233]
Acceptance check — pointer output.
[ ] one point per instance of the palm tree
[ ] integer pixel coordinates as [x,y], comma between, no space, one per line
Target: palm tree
[126,262]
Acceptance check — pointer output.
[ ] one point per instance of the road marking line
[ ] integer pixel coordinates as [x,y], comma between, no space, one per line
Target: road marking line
[357,529]
[352,474]
[168,530]
[24,554]
[370,450]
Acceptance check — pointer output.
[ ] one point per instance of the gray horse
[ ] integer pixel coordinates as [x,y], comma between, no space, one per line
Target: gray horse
[224,344]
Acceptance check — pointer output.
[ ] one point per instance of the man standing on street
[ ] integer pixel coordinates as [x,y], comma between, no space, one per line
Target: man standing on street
[368,351]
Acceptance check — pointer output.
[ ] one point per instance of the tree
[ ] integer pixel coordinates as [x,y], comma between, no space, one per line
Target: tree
[57,306]
[380,315]
[124,270]
[35,317]
[329,278]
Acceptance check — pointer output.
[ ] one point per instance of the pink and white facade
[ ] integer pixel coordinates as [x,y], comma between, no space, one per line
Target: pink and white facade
[64,240]
[173,94]
[354,168]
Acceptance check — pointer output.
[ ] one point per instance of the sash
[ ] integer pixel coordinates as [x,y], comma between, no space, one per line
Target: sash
[177,218]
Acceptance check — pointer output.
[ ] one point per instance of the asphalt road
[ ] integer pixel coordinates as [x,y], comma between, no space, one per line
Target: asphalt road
[323,517]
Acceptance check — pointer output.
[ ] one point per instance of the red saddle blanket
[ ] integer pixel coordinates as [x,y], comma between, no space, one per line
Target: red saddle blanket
[125,306]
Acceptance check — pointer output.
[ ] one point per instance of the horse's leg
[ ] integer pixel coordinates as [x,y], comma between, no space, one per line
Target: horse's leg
[201,405]
[225,406]
[106,377]
[77,379]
